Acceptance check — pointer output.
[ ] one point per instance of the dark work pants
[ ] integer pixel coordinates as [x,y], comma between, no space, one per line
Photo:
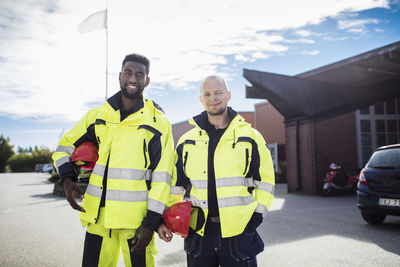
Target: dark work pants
[212,250]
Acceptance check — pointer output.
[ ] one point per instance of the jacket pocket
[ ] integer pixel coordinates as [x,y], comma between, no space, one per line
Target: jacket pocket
[192,245]
[247,245]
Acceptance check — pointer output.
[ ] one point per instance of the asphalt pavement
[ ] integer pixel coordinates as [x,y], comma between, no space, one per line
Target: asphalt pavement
[40,229]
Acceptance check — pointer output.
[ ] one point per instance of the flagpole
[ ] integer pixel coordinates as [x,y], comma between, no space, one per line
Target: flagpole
[106,49]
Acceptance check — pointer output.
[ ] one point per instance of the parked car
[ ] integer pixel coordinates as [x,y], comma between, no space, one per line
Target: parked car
[38,167]
[47,168]
[378,189]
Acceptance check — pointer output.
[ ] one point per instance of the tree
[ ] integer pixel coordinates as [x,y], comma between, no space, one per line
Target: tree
[24,150]
[6,151]
[42,155]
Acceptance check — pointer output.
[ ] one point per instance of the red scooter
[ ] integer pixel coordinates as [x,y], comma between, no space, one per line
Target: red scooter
[338,180]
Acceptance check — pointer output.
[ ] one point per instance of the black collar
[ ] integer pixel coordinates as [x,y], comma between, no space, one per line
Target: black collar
[202,119]
[115,103]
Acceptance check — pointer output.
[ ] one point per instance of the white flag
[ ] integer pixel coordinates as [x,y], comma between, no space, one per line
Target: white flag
[96,21]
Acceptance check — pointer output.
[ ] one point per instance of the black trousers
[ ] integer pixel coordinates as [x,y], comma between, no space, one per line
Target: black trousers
[212,250]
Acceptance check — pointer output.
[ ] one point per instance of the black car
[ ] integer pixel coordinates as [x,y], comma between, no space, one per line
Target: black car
[378,189]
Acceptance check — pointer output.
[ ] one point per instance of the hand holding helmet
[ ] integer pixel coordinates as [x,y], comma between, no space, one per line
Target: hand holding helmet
[84,159]
[177,218]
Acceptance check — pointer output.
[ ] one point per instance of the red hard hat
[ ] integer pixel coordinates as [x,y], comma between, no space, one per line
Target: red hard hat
[87,153]
[177,218]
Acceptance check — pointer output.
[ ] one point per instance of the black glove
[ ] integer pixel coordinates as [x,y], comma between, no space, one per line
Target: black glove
[142,238]
[254,222]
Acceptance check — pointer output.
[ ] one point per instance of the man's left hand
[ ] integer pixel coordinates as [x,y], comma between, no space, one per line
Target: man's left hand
[142,238]
[164,233]
[254,222]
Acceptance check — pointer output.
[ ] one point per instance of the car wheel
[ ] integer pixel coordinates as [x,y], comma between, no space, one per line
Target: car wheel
[373,218]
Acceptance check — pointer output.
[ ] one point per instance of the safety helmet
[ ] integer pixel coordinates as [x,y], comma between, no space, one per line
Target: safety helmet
[177,218]
[334,166]
[84,157]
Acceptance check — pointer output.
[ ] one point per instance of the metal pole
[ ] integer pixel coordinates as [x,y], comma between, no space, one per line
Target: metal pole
[106,49]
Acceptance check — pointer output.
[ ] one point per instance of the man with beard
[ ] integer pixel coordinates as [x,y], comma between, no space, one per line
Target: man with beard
[227,167]
[130,183]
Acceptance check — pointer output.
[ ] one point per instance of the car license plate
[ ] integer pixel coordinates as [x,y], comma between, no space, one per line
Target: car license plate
[389,202]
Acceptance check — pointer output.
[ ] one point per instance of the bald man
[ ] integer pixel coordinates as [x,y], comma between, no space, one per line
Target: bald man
[227,168]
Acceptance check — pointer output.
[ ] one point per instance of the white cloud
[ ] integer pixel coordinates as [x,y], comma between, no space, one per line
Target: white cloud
[331,38]
[37,131]
[306,33]
[357,23]
[259,55]
[296,41]
[50,71]
[310,53]
[303,33]
[356,30]
[240,57]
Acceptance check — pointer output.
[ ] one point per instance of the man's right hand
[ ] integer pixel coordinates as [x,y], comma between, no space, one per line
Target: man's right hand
[70,188]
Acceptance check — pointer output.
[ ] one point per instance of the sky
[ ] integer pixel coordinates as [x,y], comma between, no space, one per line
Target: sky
[51,75]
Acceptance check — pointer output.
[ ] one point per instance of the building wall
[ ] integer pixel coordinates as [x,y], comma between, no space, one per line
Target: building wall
[248,117]
[270,123]
[306,158]
[336,141]
[178,129]
[291,161]
[321,142]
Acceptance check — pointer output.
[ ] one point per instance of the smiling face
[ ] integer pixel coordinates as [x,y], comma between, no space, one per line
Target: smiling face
[214,95]
[133,79]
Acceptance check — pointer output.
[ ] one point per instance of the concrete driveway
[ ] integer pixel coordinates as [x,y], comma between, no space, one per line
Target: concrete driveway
[40,229]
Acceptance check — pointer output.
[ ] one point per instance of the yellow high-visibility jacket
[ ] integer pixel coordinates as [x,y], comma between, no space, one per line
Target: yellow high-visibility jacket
[136,154]
[241,161]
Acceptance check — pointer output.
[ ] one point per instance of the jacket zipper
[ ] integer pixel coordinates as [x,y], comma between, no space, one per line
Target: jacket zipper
[144,153]
[247,160]
[184,162]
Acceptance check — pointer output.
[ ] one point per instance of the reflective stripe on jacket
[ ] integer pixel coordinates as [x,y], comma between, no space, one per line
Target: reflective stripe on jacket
[137,154]
[244,174]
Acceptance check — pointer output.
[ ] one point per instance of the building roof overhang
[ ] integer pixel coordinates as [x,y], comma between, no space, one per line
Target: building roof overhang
[331,90]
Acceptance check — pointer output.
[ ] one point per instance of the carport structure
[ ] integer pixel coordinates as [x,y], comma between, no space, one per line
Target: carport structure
[340,112]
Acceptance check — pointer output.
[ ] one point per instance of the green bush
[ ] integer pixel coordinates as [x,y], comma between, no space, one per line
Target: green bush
[26,161]
[54,178]
[22,163]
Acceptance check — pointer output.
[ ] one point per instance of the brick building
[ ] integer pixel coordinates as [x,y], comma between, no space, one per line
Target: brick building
[340,112]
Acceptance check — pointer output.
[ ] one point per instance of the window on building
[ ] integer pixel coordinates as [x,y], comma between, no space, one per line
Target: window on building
[380,133]
[380,108]
[391,107]
[379,125]
[364,110]
[398,105]
[366,143]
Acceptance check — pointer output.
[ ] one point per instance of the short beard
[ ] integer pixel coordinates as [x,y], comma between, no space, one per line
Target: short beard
[131,96]
[218,113]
